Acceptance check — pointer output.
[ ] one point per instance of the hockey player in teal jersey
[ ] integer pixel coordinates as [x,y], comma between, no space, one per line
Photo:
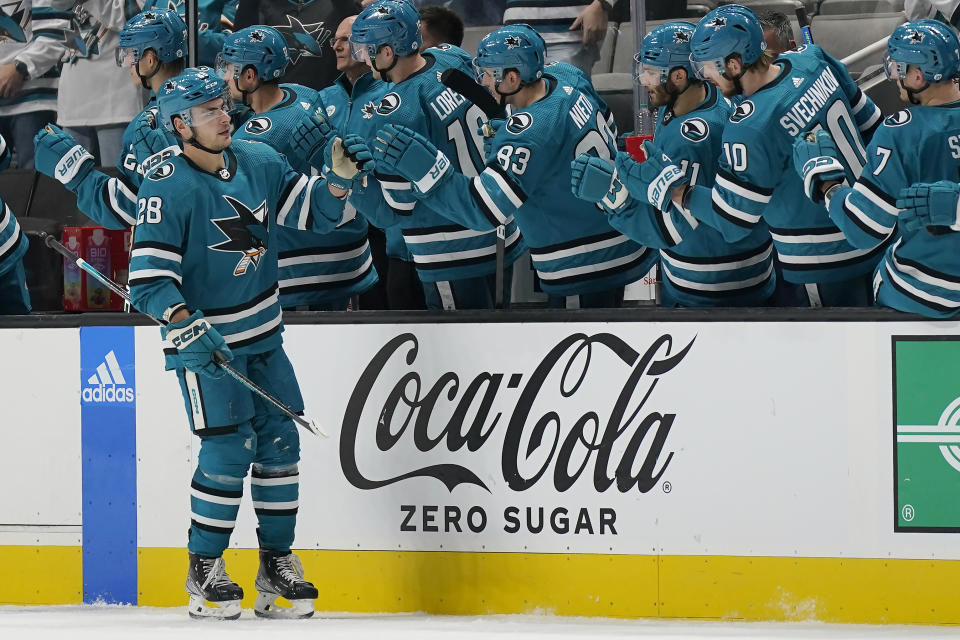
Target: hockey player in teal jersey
[456,264]
[317,272]
[572,246]
[800,91]
[210,26]
[204,260]
[699,268]
[349,105]
[920,271]
[151,48]
[14,298]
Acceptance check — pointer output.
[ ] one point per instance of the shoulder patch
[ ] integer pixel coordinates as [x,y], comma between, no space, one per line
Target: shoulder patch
[389,103]
[695,129]
[743,111]
[161,172]
[331,109]
[898,119]
[257,126]
[519,122]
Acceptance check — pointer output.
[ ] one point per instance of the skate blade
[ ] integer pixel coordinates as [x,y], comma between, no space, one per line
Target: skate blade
[226,610]
[266,607]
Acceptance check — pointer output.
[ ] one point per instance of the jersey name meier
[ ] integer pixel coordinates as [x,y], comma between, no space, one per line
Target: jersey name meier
[806,108]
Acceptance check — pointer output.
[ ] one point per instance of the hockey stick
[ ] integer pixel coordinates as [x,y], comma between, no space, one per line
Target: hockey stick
[469,89]
[310,425]
[804,23]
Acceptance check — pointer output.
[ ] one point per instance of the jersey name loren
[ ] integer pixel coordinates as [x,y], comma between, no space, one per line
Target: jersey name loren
[446,103]
[581,111]
[808,106]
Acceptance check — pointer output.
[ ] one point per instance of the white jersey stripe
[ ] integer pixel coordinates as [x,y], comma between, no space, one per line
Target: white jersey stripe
[463,255]
[743,192]
[579,250]
[718,286]
[285,207]
[717,266]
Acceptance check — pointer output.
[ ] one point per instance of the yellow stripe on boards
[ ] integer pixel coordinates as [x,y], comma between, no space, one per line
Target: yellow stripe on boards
[873,591]
[41,575]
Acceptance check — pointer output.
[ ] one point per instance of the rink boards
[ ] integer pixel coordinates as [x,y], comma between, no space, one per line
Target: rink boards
[741,470]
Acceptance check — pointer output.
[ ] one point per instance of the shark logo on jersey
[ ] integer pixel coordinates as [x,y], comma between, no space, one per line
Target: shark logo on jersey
[743,111]
[256,126]
[163,171]
[388,104]
[695,129]
[367,110]
[519,122]
[246,233]
[898,119]
[304,39]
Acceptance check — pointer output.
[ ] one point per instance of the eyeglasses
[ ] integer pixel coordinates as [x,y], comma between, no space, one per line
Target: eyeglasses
[337,41]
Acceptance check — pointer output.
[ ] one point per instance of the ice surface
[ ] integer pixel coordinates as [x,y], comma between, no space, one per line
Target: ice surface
[107,622]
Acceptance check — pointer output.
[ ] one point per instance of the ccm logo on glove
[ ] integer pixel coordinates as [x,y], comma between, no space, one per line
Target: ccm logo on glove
[189,334]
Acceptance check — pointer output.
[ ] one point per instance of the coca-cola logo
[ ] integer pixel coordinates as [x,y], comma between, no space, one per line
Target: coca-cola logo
[623,444]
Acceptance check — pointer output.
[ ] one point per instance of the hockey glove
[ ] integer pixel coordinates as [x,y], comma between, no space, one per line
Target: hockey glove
[815,159]
[198,344]
[347,161]
[404,152]
[657,176]
[58,155]
[311,138]
[488,131]
[933,205]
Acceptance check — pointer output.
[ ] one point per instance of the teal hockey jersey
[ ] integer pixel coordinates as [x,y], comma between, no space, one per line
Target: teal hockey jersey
[756,178]
[208,241]
[698,266]
[314,268]
[572,246]
[112,202]
[442,250]
[919,272]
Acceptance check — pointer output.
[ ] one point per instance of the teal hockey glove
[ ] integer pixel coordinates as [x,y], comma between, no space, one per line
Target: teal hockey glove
[595,180]
[815,159]
[310,139]
[657,176]
[404,152]
[58,155]
[199,345]
[347,161]
[933,205]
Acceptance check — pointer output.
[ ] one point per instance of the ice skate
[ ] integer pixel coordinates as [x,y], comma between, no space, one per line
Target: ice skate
[281,576]
[212,593]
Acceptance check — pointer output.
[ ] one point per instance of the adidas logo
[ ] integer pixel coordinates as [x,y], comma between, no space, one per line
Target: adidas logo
[569,90]
[108,383]
[797,82]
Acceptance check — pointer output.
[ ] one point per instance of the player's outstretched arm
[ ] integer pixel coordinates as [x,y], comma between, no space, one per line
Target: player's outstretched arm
[110,202]
[306,202]
[595,180]
[482,203]
[935,206]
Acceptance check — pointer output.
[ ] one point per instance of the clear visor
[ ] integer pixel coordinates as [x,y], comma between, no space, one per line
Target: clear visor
[650,76]
[894,70]
[125,57]
[224,68]
[707,69]
[361,52]
[210,111]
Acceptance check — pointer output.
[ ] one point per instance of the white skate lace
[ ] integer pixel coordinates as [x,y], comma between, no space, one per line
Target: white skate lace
[290,569]
[217,575]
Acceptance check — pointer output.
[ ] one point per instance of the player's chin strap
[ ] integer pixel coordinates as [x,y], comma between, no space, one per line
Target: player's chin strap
[675,95]
[736,81]
[383,72]
[912,93]
[144,80]
[197,145]
[244,94]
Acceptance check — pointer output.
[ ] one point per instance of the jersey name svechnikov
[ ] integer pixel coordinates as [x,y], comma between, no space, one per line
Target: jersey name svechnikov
[806,108]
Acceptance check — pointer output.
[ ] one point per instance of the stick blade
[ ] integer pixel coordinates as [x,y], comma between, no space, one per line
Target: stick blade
[314,427]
